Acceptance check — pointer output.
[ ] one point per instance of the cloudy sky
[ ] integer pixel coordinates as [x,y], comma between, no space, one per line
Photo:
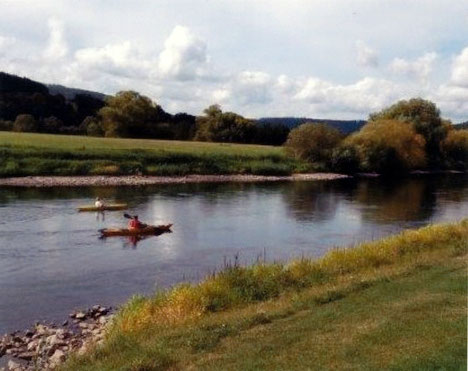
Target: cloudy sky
[322,59]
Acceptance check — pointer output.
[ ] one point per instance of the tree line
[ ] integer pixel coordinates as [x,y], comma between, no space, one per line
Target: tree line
[409,135]
[406,136]
[28,106]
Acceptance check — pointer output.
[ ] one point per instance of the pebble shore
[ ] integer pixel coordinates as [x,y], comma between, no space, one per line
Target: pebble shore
[44,347]
[140,180]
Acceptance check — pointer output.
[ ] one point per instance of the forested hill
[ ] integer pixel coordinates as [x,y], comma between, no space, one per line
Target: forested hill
[52,112]
[15,84]
[345,126]
[71,93]
[463,125]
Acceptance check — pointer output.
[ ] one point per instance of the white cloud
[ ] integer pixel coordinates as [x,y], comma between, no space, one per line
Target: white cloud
[251,87]
[57,46]
[285,84]
[460,69]
[184,56]
[220,96]
[121,59]
[366,56]
[5,43]
[364,96]
[419,68]
[453,95]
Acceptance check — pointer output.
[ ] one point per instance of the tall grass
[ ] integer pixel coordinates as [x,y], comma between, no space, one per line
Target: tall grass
[24,154]
[237,285]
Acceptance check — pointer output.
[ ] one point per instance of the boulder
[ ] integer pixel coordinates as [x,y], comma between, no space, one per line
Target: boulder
[27,356]
[32,345]
[57,358]
[80,315]
[14,366]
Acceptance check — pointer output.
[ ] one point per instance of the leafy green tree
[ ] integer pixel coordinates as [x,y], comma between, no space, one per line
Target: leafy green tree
[129,114]
[25,123]
[218,126]
[313,142]
[387,146]
[92,127]
[425,119]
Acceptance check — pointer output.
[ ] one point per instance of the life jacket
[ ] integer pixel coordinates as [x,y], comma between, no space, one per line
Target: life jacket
[134,224]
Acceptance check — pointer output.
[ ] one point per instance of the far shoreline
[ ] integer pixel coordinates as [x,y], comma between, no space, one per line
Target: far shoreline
[142,180]
[146,180]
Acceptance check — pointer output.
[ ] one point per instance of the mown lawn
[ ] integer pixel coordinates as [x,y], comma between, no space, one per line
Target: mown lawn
[23,154]
[395,304]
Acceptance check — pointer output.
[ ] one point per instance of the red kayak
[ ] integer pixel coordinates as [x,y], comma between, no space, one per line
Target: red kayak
[149,230]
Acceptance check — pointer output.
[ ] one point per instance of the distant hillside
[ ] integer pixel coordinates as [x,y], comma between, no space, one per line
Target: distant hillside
[463,125]
[52,111]
[15,84]
[345,126]
[71,93]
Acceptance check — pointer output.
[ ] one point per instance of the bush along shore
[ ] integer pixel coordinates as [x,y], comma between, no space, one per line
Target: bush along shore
[45,346]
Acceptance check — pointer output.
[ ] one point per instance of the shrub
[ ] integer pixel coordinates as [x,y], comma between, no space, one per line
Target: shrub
[388,146]
[313,142]
[25,123]
[345,159]
[455,148]
[6,125]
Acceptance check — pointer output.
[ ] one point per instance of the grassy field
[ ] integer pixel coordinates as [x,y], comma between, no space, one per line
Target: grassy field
[24,154]
[394,304]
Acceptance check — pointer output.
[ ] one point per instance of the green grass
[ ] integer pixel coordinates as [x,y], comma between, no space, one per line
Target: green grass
[23,154]
[395,304]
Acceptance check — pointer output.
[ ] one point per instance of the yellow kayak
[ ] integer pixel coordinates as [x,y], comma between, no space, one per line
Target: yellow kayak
[109,207]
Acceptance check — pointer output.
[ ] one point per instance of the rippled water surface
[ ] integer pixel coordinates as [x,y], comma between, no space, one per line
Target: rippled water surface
[52,261]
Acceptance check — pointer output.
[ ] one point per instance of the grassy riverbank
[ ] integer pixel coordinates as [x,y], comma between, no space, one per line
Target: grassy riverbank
[24,154]
[397,303]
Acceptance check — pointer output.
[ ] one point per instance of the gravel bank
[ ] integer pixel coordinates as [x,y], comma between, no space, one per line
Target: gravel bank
[138,180]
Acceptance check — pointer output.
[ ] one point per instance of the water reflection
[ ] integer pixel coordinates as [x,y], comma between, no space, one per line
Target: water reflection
[409,200]
[316,201]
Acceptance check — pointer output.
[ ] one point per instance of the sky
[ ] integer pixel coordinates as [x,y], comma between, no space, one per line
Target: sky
[335,59]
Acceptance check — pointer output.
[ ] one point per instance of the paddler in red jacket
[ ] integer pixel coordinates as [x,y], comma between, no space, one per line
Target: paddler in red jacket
[135,224]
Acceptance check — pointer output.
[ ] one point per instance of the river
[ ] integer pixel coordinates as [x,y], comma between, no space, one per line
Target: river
[52,260]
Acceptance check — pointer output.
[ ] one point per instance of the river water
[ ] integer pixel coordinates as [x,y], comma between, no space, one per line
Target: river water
[52,261]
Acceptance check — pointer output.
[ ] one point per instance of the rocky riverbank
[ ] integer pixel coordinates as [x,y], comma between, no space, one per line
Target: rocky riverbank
[140,180]
[44,346]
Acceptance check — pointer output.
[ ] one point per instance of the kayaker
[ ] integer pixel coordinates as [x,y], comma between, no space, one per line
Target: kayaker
[134,223]
[99,203]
